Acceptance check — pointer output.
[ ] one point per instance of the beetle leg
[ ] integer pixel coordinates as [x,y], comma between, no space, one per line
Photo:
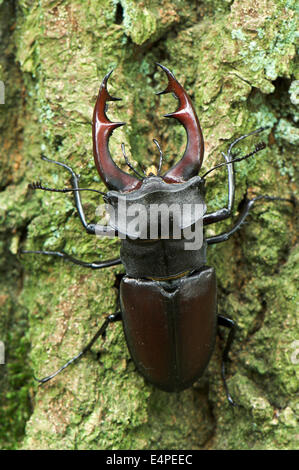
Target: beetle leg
[90,228]
[61,254]
[101,332]
[228,323]
[248,204]
[226,212]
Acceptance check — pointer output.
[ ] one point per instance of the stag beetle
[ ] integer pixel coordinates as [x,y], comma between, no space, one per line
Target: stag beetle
[168,296]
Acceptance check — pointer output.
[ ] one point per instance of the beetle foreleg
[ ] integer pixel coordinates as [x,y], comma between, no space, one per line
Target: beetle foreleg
[228,323]
[226,212]
[61,254]
[101,332]
[90,228]
[248,204]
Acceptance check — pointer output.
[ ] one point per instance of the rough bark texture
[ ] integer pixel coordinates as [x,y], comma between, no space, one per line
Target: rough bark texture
[237,61]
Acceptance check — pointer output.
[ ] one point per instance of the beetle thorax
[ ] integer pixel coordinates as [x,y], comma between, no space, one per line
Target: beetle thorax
[157,210]
[160,226]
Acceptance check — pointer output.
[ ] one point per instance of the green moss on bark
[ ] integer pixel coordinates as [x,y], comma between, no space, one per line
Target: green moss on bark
[15,373]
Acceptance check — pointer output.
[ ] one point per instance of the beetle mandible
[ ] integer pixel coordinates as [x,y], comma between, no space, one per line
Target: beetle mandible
[168,295]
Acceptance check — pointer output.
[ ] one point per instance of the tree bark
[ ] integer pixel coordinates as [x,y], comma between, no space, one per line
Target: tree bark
[236,59]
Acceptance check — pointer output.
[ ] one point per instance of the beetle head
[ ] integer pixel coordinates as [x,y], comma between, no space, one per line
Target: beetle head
[153,196]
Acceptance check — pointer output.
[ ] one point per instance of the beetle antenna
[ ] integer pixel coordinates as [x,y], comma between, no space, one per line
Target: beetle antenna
[256,131]
[128,163]
[142,169]
[161,156]
[257,149]
[38,185]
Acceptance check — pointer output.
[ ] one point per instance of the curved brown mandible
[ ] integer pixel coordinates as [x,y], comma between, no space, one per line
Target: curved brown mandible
[102,128]
[191,161]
